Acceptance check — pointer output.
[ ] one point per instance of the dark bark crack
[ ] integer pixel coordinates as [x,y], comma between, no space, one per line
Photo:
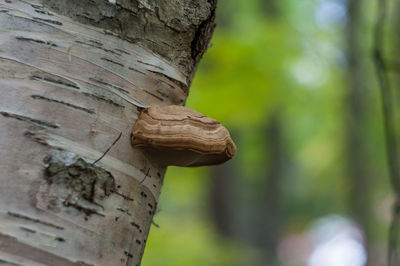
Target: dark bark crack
[40,97]
[30,120]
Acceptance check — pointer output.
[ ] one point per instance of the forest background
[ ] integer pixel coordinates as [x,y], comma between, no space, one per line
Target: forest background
[294,81]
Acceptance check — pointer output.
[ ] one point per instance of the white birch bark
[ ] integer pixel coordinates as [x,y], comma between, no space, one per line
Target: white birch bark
[72,74]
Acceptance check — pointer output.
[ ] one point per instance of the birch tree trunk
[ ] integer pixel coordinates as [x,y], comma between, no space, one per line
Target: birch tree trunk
[72,74]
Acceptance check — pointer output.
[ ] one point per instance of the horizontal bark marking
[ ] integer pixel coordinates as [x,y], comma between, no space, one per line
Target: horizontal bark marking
[49,43]
[147,64]
[129,255]
[40,97]
[85,210]
[12,245]
[124,211]
[112,61]
[29,230]
[35,6]
[155,96]
[104,99]
[162,93]
[137,226]
[43,12]
[29,119]
[122,51]
[180,84]
[125,197]
[60,239]
[108,32]
[98,43]
[85,16]
[54,22]
[34,220]
[109,85]
[53,80]
[98,46]
[138,71]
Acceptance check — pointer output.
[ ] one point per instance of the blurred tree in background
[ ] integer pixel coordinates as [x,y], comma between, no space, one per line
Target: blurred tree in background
[294,82]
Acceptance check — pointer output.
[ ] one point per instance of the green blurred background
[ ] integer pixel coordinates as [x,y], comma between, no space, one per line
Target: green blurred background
[293,81]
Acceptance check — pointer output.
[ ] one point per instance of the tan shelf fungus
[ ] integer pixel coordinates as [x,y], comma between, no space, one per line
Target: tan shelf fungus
[180,136]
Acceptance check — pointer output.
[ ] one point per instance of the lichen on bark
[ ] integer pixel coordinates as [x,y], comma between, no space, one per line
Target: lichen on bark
[78,183]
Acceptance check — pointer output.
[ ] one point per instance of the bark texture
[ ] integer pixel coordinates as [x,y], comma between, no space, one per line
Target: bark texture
[72,74]
[178,30]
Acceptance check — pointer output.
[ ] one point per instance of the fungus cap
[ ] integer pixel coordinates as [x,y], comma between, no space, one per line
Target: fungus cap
[180,136]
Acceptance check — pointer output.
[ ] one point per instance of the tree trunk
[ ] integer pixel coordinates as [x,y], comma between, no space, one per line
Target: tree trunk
[72,74]
[358,161]
[256,220]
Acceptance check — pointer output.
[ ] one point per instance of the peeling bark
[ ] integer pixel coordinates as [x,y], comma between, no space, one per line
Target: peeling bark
[72,76]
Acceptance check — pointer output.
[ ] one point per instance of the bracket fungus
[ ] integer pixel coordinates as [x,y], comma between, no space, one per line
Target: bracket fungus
[180,136]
